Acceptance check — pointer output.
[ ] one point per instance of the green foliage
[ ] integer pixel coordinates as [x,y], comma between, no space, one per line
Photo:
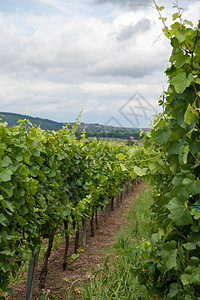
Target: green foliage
[170,160]
[47,177]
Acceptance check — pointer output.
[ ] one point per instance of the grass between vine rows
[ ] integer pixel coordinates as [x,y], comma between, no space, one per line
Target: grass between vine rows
[114,278]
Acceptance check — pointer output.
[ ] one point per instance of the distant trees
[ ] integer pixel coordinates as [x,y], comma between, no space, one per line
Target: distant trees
[120,134]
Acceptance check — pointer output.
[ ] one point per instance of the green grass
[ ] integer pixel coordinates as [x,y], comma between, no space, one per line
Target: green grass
[115,278]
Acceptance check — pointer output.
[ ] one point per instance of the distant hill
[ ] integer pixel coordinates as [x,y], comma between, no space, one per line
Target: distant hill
[91,129]
[45,124]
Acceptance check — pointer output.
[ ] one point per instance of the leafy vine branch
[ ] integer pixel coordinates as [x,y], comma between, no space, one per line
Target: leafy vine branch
[176,133]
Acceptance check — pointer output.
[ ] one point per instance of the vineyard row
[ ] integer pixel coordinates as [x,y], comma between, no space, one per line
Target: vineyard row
[49,182]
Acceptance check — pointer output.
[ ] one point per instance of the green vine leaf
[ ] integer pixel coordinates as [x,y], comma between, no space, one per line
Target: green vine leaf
[133,175]
[197,80]
[123,167]
[190,246]
[176,16]
[3,220]
[178,212]
[140,171]
[190,114]
[120,156]
[5,175]
[188,22]
[182,33]
[169,254]
[180,59]
[185,154]
[180,82]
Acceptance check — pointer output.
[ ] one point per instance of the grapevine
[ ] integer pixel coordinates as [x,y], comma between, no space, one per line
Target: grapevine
[169,264]
[48,179]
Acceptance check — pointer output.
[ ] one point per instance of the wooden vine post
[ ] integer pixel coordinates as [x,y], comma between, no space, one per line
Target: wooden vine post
[85,232]
[66,243]
[44,271]
[32,268]
[76,243]
[96,219]
[112,204]
[92,224]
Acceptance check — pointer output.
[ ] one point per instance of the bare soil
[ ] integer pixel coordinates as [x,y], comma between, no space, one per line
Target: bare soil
[57,279]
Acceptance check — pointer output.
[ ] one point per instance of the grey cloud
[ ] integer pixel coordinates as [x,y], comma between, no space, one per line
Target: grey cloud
[131,30]
[134,4]
[124,71]
[127,67]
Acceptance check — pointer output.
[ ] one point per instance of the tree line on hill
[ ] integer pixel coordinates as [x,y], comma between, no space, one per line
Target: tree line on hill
[120,134]
[91,130]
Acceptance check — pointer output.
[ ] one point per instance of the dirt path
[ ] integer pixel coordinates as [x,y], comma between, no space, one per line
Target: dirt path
[57,279]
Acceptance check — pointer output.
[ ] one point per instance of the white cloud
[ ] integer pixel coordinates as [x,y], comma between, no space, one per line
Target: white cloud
[193,12]
[53,66]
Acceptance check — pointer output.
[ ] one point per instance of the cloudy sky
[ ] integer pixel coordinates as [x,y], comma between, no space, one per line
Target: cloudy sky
[105,58]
